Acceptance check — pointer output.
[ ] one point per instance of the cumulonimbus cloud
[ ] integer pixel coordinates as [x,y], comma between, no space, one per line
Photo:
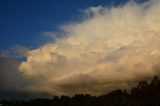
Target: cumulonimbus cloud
[113,48]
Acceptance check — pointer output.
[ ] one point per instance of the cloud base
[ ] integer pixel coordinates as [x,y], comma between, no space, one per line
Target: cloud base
[112,48]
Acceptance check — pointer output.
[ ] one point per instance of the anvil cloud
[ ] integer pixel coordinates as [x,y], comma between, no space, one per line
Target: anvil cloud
[111,48]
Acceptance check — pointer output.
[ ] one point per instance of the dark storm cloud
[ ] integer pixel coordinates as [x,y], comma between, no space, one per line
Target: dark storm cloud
[12,83]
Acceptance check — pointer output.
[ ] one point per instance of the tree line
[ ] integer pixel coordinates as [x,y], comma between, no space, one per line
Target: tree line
[144,94]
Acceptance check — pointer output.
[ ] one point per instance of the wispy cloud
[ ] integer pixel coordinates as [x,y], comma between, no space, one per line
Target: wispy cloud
[112,48]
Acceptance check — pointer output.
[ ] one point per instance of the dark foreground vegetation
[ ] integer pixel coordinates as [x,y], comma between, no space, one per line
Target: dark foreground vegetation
[144,94]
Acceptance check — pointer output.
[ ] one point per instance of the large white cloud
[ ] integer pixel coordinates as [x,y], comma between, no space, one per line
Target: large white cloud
[113,48]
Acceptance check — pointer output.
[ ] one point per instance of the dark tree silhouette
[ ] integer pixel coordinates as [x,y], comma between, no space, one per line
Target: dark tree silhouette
[144,94]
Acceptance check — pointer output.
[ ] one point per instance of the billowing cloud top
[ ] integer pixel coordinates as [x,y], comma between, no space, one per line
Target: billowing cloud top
[113,48]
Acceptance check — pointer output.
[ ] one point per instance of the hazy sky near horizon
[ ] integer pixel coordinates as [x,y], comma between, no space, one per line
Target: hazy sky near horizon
[59,47]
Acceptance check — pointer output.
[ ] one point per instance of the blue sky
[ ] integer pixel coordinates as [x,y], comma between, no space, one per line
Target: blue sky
[22,22]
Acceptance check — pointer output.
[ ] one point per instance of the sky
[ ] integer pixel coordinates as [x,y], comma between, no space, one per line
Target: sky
[24,21]
[67,47]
